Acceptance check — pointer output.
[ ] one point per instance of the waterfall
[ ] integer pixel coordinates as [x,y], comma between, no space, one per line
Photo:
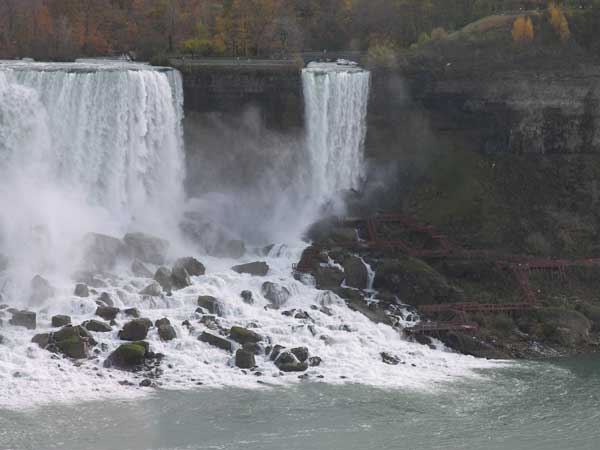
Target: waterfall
[87,146]
[336,98]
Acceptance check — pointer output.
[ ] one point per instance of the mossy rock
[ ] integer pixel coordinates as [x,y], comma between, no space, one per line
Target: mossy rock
[128,356]
[244,335]
[74,347]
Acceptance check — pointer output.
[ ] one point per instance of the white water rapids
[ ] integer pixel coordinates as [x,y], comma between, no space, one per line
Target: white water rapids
[97,147]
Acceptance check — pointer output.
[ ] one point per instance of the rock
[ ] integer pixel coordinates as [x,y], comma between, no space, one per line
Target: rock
[390,359]
[146,248]
[275,352]
[132,312]
[276,294]
[26,319]
[2,339]
[258,268]
[247,297]
[211,304]
[166,332]
[43,340]
[244,335]
[106,299]
[60,321]
[107,312]
[180,278]
[253,347]
[415,282]
[356,273]
[135,330]
[128,356]
[81,290]
[266,250]
[41,289]
[163,277]
[287,362]
[193,267]
[328,277]
[140,270]
[216,341]
[152,290]
[101,252]
[314,361]
[565,327]
[97,326]
[163,321]
[73,342]
[146,382]
[301,353]
[244,359]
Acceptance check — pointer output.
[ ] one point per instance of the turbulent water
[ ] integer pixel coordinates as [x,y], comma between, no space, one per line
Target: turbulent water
[534,406]
[336,99]
[96,147]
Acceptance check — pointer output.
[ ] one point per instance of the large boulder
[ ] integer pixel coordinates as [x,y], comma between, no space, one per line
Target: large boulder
[60,321]
[244,359]
[163,277]
[26,319]
[257,268]
[276,294]
[96,326]
[288,362]
[244,335]
[166,332]
[193,267]
[211,304]
[415,282]
[107,312]
[568,328]
[41,289]
[135,330]
[146,248]
[101,252]
[128,356]
[356,273]
[301,353]
[216,341]
[73,342]
[180,278]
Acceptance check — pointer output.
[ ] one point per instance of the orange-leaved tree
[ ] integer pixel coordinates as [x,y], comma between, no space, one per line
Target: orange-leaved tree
[522,30]
[559,22]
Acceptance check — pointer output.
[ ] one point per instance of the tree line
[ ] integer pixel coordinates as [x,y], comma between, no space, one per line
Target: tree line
[65,29]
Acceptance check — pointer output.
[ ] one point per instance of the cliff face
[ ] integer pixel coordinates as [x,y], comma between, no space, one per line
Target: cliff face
[229,88]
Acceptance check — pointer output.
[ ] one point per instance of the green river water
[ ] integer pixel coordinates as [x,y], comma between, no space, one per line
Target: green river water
[527,406]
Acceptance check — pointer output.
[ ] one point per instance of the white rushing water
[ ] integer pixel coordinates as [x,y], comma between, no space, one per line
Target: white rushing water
[86,146]
[336,98]
[96,147]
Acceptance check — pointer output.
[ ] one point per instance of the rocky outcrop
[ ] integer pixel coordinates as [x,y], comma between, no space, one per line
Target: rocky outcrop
[146,248]
[258,268]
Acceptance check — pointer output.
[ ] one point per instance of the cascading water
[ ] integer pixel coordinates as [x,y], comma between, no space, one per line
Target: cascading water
[86,146]
[96,147]
[336,98]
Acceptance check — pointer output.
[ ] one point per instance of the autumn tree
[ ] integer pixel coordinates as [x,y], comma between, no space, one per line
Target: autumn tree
[559,22]
[522,30]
